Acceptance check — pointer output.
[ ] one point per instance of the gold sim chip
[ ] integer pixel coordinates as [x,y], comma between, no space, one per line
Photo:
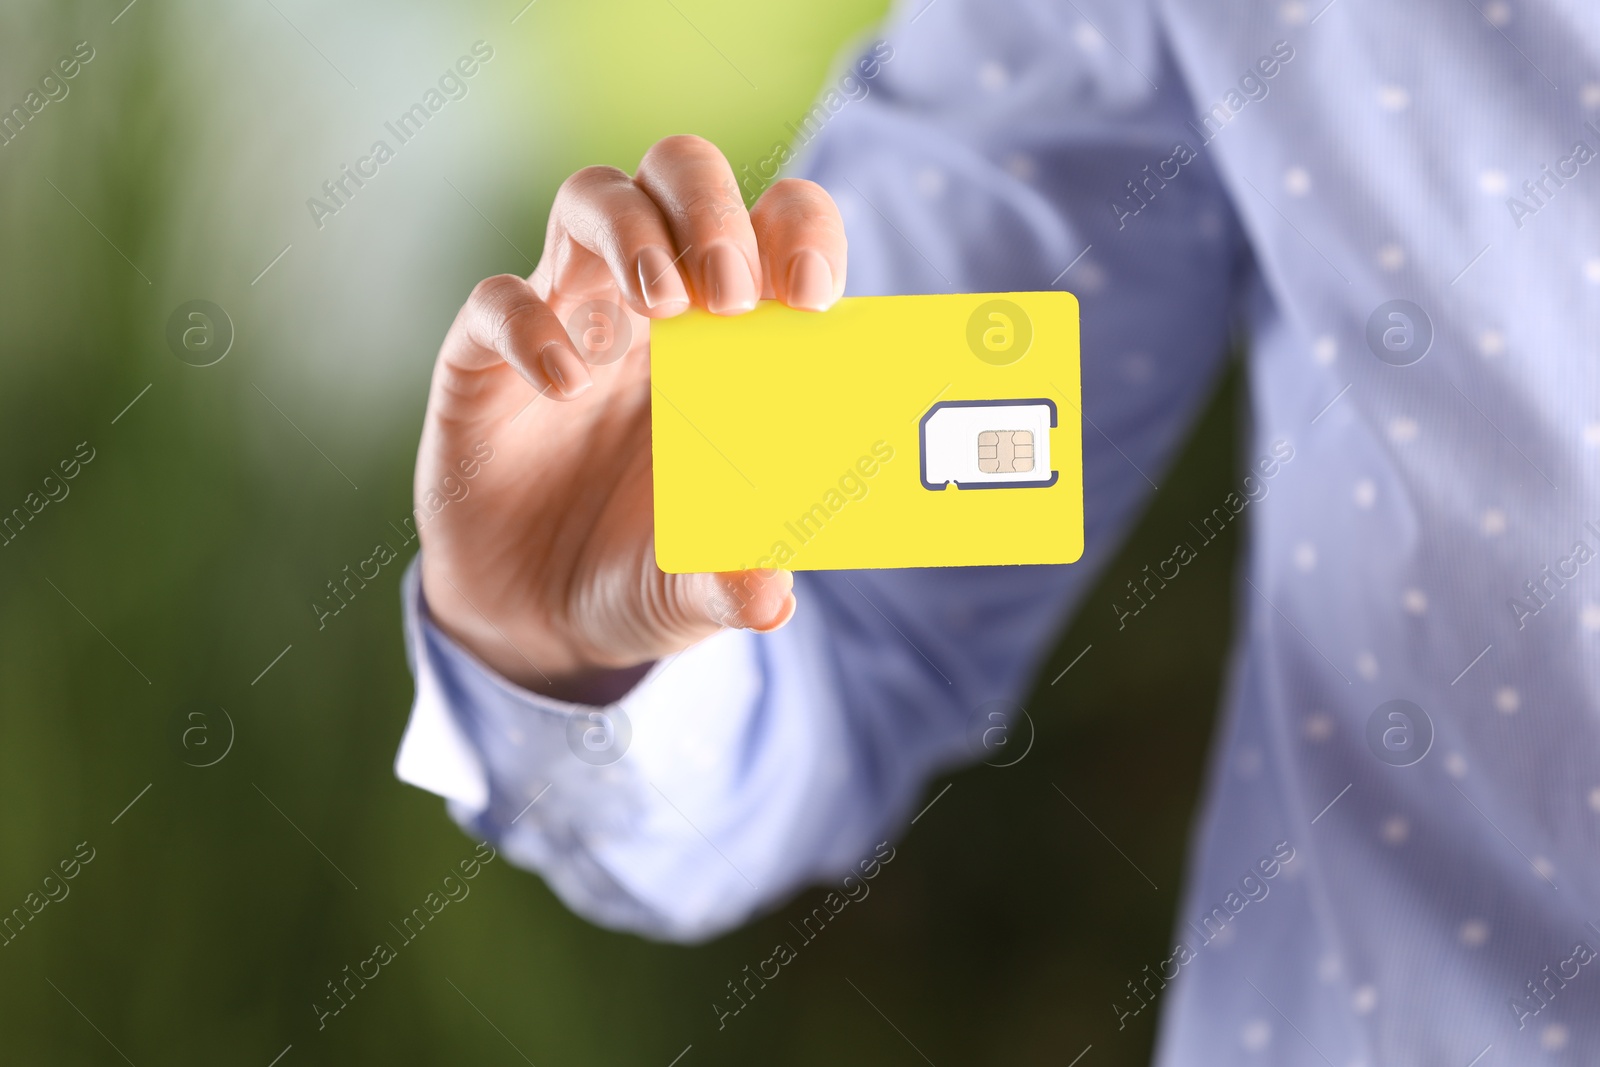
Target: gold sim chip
[1005,451]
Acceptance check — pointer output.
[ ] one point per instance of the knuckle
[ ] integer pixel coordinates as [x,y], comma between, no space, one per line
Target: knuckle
[798,216]
[457,388]
[498,308]
[715,202]
[797,212]
[492,291]
[682,146]
[728,596]
[587,180]
[517,319]
[630,217]
[795,225]
[686,601]
[797,199]
[492,297]
[802,189]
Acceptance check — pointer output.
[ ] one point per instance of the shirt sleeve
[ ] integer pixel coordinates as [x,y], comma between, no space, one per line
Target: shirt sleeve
[979,146]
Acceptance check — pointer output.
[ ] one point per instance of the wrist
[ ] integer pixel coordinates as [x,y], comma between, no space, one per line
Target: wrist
[542,666]
[598,686]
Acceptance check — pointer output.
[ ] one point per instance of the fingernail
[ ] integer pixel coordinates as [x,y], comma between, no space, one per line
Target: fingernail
[810,282]
[565,370]
[659,283]
[730,288]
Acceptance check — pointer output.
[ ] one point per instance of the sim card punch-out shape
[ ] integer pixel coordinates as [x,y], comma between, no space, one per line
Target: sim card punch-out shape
[988,444]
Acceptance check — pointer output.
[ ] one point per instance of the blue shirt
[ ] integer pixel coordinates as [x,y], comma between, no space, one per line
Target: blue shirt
[1426,532]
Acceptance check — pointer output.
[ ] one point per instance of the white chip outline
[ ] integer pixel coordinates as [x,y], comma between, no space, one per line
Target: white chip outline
[997,481]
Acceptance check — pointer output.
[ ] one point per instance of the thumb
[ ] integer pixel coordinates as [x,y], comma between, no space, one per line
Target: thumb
[759,600]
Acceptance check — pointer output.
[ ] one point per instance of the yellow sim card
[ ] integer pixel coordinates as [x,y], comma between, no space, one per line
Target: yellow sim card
[892,431]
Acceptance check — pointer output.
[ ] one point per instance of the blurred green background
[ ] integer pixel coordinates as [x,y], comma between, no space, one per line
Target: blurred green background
[185,557]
